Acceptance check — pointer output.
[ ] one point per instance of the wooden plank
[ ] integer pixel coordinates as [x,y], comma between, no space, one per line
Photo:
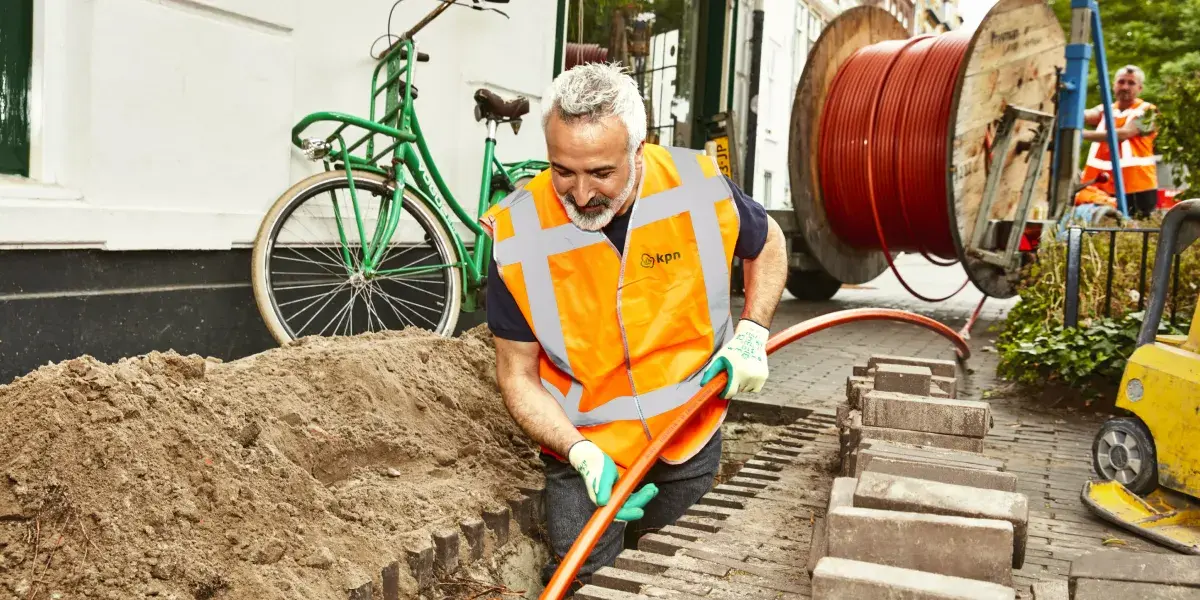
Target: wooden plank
[391,581]
[362,592]
[1016,44]
[973,167]
[1010,6]
[846,34]
[969,160]
[1011,61]
[986,93]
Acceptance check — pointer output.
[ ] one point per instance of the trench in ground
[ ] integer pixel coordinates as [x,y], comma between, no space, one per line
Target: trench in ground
[518,567]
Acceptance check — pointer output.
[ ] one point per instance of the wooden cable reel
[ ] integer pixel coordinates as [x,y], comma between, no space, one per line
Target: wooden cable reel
[1011,61]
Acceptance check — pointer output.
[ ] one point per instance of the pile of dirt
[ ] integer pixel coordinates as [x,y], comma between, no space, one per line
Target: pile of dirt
[294,473]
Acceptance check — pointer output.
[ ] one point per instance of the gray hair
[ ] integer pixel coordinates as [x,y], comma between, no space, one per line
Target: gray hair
[595,91]
[1135,71]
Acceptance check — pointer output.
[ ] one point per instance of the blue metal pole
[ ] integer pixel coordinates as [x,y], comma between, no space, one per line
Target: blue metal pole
[1058,125]
[1071,107]
[1114,148]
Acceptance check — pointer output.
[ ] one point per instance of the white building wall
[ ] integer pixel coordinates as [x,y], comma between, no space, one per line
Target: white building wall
[739,102]
[790,27]
[165,124]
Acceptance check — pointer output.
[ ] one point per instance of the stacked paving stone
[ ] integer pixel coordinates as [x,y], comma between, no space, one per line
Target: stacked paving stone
[762,533]
[449,550]
[919,512]
[1106,574]
[909,401]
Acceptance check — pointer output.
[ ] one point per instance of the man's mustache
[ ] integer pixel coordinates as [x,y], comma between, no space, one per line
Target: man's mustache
[600,201]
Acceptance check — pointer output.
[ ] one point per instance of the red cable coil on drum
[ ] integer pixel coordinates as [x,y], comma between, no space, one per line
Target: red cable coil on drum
[582,54]
[883,148]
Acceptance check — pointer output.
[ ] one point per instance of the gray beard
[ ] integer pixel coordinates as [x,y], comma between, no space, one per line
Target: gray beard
[595,221]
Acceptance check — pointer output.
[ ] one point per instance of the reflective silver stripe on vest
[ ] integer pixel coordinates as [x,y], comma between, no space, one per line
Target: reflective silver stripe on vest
[623,408]
[707,229]
[531,246]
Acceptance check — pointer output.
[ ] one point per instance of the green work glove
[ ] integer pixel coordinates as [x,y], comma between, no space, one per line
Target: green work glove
[744,359]
[600,473]
[1145,121]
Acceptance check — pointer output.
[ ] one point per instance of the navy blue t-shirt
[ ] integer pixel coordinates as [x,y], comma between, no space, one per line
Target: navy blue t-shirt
[504,317]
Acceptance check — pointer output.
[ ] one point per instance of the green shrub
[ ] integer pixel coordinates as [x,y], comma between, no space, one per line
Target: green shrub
[1034,346]
[1179,121]
[1072,355]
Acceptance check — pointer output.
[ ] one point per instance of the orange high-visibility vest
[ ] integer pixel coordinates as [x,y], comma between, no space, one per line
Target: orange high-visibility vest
[1137,156]
[625,335]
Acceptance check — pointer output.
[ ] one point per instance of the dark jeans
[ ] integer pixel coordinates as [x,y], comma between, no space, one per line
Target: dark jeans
[568,507]
[1141,204]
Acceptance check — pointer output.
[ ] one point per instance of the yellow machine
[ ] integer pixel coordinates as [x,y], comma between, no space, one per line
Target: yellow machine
[1149,460]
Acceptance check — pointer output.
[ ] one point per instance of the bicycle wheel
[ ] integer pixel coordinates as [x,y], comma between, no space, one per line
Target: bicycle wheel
[308,281]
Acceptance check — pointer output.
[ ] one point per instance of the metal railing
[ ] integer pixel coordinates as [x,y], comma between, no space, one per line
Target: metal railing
[1074,266]
[653,84]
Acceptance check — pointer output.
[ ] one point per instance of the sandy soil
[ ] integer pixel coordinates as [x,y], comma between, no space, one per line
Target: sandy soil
[295,473]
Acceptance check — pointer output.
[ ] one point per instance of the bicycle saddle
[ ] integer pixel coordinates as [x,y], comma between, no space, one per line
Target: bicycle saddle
[490,106]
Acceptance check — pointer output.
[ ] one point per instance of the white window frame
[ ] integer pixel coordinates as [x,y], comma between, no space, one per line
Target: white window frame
[800,43]
[48,115]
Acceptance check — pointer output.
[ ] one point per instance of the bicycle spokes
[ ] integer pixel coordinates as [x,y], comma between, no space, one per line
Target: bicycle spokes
[325,281]
[390,218]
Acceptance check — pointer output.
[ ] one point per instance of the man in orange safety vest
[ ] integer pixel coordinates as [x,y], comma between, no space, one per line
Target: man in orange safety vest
[609,299]
[1133,118]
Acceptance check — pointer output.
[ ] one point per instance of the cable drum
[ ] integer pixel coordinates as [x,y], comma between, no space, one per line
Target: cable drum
[883,147]
[890,135]
[894,119]
[582,54]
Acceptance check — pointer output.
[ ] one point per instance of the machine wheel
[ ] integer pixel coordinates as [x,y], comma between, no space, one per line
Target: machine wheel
[813,286]
[1123,451]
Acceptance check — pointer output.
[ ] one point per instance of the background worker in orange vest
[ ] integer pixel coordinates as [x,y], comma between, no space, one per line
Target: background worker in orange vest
[1135,134]
[608,297]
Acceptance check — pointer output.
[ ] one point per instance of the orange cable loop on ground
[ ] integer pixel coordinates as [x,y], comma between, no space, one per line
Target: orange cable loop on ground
[883,148]
[574,559]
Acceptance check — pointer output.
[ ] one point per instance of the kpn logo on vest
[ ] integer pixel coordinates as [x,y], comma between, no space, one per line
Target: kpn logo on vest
[649,260]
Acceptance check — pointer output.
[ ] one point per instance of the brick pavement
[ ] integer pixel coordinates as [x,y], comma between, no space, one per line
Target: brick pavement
[814,369]
[1050,453]
[748,538]
[766,540]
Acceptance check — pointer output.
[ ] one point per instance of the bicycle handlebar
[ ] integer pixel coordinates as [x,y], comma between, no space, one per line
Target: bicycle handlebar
[421,56]
[427,19]
[433,14]
[408,35]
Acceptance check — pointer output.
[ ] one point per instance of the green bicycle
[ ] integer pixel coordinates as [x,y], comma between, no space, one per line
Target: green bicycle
[367,245]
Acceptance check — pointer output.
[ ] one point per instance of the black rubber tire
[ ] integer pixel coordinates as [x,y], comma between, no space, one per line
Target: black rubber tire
[301,192]
[812,286]
[1135,441]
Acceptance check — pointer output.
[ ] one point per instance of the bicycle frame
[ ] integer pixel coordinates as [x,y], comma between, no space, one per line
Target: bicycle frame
[408,147]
